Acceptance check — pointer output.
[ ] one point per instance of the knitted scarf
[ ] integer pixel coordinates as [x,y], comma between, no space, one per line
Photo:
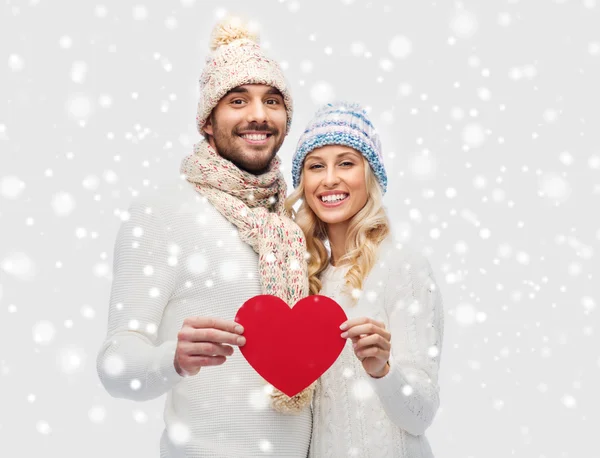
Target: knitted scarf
[255,205]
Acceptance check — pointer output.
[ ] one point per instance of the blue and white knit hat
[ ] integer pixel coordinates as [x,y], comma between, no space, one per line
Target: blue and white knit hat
[341,123]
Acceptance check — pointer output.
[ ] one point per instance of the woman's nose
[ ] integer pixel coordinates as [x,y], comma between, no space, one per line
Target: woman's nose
[331,177]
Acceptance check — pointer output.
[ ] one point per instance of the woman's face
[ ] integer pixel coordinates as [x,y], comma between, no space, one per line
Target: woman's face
[334,183]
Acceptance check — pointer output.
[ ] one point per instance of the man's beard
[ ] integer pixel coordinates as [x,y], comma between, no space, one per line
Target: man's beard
[227,148]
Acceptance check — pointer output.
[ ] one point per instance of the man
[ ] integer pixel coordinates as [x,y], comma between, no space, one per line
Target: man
[186,260]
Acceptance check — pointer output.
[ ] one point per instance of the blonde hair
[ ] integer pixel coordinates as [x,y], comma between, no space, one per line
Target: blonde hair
[367,229]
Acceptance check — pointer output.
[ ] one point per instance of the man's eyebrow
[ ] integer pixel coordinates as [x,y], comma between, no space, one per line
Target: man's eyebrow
[243,90]
[237,90]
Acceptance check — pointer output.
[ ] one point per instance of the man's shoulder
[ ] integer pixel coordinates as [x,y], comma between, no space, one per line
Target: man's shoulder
[170,197]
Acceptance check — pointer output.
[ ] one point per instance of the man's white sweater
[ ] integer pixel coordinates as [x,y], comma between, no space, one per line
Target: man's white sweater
[177,257]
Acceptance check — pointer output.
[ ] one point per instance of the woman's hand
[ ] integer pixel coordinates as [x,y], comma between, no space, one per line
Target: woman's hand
[371,343]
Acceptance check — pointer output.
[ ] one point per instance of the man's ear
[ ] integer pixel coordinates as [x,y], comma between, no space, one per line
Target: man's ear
[208,127]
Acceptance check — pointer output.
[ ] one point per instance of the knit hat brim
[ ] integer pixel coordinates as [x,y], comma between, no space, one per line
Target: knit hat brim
[341,123]
[238,64]
[343,137]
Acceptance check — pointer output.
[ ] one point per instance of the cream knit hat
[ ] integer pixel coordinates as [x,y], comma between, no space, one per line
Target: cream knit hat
[237,59]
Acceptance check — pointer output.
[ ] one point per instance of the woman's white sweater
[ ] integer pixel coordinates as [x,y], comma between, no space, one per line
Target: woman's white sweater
[356,415]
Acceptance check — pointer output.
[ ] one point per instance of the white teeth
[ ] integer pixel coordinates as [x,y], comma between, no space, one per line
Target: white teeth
[255,137]
[334,197]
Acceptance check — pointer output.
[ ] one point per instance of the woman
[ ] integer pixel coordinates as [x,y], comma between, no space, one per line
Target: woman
[381,394]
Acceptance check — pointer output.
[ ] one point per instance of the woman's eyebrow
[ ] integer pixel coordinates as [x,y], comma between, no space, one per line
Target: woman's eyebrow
[337,156]
[348,153]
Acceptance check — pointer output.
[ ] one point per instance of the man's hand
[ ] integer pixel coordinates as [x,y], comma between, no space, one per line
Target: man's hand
[203,342]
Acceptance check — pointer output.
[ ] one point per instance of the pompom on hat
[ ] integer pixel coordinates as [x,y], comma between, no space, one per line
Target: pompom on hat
[341,123]
[236,58]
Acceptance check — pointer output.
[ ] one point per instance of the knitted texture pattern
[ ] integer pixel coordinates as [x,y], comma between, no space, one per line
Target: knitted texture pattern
[245,199]
[356,415]
[237,59]
[341,123]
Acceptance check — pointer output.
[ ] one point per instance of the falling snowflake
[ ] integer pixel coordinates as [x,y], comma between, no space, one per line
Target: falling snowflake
[79,71]
[110,176]
[229,270]
[197,263]
[465,314]
[358,48]
[97,414]
[400,47]
[71,360]
[423,166]
[464,24]
[16,62]
[140,416]
[113,365]
[87,311]
[259,400]
[11,187]
[362,390]
[19,265]
[473,135]
[102,270]
[65,42]
[588,303]
[79,107]
[90,182]
[43,332]
[43,427]
[140,13]
[179,433]
[407,390]
[306,66]
[554,187]
[569,401]
[171,23]
[265,446]
[322,92]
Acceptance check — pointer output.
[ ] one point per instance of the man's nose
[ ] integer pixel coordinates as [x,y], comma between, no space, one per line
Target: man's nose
[257,112]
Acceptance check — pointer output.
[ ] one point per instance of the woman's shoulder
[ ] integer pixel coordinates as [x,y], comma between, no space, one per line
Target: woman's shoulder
[398,256]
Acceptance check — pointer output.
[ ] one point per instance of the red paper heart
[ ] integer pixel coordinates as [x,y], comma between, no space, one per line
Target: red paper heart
[291,347]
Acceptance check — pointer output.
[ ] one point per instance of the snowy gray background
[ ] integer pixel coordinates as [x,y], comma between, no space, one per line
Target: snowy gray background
[489,115]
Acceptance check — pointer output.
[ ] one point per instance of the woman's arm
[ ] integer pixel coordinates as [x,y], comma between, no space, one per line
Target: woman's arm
[409,392]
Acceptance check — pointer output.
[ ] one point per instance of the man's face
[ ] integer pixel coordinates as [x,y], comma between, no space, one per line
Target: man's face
[248,125]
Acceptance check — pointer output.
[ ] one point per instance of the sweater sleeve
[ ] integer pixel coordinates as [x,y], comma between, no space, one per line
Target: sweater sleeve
[131,363]
[409,392]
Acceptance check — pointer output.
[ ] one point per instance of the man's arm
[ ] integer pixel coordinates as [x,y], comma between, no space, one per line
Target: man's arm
[130,364]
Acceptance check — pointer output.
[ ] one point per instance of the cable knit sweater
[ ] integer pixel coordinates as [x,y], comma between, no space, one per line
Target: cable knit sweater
[356,415]
[177,257]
